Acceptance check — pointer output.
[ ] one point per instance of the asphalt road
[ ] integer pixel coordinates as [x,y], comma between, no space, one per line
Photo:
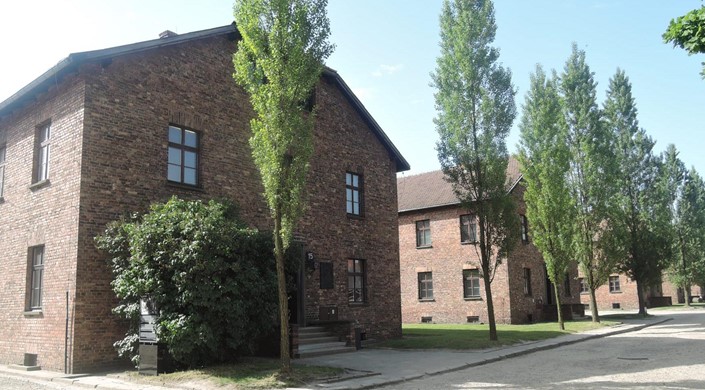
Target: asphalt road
[13,383]
[666,356]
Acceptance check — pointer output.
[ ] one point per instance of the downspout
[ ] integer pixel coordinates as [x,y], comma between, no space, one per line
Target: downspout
[66,337]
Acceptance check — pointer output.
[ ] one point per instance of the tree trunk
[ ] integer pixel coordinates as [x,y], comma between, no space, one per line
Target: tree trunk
[283,298]
[640,295]
[687,292]
[593,306]
[561,325]
[490,307]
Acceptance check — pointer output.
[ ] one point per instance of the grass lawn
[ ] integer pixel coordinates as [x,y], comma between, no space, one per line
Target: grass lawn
[680,306]
[471,336]
[250,373]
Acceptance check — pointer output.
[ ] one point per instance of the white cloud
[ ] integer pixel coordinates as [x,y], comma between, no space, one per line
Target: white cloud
[385,69]
[364,94]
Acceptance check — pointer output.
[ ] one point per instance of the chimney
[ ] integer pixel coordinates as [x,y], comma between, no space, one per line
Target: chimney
[167,34]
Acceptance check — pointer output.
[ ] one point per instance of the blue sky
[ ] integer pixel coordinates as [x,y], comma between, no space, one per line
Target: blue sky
[386,50]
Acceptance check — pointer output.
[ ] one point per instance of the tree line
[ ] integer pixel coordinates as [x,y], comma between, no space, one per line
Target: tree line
[597,194]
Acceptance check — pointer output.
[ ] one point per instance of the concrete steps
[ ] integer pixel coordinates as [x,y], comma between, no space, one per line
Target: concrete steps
[316,341]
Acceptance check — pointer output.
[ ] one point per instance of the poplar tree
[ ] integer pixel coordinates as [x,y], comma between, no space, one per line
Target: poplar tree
[642,216]
[475,110]
[591,174]
[688,267]
[545,162]
[278,62]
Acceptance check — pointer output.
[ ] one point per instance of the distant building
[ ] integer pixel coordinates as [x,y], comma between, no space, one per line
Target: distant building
[108,132]
[620,293]
[440,281]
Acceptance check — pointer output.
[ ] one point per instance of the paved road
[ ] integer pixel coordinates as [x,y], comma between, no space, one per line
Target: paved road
[666,356]
[13,383]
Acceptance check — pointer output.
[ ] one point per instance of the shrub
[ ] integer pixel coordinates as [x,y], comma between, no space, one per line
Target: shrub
[211,278]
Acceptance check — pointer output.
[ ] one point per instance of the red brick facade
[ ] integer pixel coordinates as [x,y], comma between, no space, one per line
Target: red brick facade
[109,119]
[626,298]
[447,257]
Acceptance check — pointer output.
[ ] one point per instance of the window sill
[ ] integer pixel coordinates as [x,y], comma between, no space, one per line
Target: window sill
[39,184]
[615,292]
[424,247]
[33,313]
[358,304]
[355,216]
[427,300]
[468,242]
[184,186]
[585,293]
[473,298]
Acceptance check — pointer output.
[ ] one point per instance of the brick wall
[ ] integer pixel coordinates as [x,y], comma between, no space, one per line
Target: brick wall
[48,216]
[447,257]
[118,143]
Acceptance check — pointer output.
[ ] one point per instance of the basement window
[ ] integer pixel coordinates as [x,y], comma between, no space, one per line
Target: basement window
[426,320]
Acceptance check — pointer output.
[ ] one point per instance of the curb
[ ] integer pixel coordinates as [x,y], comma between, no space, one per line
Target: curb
[584,337]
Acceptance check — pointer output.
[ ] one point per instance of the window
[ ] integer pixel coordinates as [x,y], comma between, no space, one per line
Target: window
[353,193]
[41,155]
[471,284]
[425,286]
[524,229]
[583,286]
[3,151]
[183,156]
[36,276]
[527,281]
[566,285]
[467,228]
[614,284]
[356,281]
[423,233]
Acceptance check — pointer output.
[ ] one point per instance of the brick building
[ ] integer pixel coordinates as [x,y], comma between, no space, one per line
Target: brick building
[110,131]
[620,293]
[439,265]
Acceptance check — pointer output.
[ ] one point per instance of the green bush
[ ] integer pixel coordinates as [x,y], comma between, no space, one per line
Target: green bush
[211,278]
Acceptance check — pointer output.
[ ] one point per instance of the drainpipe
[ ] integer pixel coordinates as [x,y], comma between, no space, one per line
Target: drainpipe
[66,338]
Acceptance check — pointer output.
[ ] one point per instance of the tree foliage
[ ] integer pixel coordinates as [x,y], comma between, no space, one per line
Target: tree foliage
[688,33]
[545,162]
[278,62]
[591,174]
[208,275]
[642,216]
[475,110]
[688,267]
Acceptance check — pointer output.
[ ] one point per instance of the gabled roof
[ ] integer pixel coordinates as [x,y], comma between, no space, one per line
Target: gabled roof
[74,60]
[430,189]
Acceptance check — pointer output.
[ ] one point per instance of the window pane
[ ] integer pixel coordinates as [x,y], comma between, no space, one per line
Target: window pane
[190,138]
[348,195]
[189,159]
[427,237]
[38,258]
[174,173]
[356,195]
[44,134]
[354,180]
[190,176]
[2,155]
[356,209]
[351,266]
[174,135]
[349,207]
[348,179]
[174,156]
